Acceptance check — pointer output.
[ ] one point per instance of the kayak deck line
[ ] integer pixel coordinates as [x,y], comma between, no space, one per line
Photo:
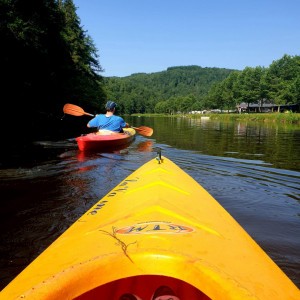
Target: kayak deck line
[157,170]
[159,184]
[134,242]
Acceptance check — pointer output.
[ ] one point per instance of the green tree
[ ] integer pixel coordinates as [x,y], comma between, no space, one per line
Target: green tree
[46,61]
[282,77]
[162,107]
[229,91]
[85,83]
[250,85]
[214,97]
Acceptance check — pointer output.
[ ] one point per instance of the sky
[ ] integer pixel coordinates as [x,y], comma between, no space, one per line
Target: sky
[147,36]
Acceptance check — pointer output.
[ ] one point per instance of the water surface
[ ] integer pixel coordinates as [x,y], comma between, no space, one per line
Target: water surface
[252,170]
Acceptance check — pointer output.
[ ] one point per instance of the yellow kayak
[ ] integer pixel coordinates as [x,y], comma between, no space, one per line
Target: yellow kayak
[158,227]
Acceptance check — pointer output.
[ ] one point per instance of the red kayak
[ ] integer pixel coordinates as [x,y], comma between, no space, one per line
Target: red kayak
[95,141]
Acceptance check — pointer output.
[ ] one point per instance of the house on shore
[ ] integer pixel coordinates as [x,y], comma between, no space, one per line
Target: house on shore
[267,107]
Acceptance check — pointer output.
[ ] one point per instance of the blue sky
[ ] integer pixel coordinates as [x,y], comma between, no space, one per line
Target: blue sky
[134,36]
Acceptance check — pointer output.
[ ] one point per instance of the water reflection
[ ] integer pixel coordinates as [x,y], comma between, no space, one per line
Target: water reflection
[277,145]
[146,146]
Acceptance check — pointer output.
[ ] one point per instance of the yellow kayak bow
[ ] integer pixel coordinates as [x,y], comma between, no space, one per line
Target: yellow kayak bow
[157,227]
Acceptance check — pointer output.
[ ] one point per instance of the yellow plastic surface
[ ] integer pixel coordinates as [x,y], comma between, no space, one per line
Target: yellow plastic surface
[158,221]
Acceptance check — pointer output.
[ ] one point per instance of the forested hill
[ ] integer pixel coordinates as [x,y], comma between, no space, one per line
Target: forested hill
[142,92]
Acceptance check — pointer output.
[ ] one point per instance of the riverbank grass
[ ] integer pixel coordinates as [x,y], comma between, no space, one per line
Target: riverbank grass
[283,118]
[287,118]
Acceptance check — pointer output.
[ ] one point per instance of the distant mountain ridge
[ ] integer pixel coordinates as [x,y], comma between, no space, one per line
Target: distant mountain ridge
[140,92]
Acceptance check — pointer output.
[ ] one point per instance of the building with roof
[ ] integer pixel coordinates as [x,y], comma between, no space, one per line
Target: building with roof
[266,107]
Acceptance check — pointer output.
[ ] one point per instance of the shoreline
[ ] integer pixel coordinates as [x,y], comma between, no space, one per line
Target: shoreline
[281,118]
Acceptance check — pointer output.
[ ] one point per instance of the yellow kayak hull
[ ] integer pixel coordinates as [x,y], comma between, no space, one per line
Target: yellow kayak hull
[158,226]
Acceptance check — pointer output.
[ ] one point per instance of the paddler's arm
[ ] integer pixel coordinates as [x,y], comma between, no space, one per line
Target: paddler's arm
[91,123]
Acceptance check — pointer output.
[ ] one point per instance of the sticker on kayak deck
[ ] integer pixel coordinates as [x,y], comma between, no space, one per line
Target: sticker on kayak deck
[155,227]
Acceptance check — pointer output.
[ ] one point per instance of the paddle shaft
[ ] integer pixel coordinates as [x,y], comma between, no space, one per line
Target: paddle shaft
[89,114]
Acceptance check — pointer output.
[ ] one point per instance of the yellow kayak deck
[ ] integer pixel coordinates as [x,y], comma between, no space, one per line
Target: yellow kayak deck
[157,227]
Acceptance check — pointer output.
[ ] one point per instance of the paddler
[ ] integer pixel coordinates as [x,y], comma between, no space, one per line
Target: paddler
[108,122]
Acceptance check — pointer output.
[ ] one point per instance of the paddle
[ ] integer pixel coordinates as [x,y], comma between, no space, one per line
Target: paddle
[77,111]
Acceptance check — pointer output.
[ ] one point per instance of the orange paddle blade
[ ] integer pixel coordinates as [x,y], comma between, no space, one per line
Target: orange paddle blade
[144,130]
[74,110]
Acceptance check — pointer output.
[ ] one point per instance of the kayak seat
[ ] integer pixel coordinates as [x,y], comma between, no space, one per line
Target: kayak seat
[144,287]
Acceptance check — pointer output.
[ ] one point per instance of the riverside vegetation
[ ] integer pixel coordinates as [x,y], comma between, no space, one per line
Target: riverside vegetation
[282,118]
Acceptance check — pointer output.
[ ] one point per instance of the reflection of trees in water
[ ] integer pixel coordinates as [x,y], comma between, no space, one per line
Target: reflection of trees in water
[274,144]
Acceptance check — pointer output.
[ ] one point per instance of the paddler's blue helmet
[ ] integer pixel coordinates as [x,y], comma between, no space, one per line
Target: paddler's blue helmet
[110,105]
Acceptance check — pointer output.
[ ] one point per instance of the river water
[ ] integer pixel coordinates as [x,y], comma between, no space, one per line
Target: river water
[252,170]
